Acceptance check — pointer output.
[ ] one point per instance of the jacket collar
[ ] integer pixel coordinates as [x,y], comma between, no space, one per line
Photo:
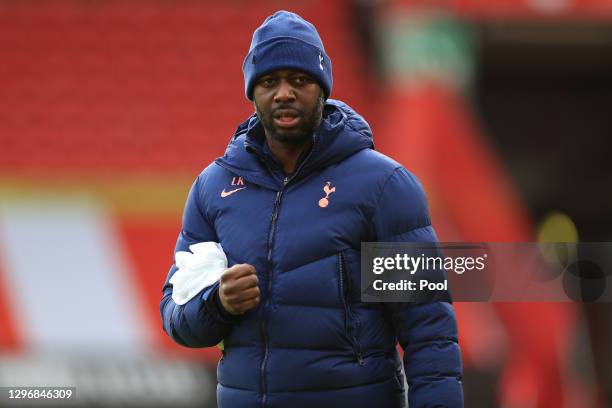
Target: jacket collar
[341,134]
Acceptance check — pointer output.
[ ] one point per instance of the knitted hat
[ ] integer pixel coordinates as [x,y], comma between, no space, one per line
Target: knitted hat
[286,41]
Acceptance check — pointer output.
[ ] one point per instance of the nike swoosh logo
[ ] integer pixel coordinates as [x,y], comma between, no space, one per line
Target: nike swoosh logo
[228,193]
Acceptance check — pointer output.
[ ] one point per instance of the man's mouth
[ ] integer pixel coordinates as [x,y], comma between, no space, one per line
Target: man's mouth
[286,118]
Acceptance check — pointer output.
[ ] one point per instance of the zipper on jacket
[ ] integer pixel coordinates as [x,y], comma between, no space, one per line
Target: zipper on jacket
[274,217]
[348,313]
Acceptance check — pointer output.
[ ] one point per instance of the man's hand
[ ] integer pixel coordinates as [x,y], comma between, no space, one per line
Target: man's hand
[238,289]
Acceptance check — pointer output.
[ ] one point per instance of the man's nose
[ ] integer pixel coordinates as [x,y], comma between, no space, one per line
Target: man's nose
[284,92]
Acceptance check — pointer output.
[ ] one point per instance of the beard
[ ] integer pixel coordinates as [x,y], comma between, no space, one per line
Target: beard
[298,135]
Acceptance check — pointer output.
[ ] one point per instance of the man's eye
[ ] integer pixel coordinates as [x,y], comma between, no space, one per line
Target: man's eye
[267,82]
[300,80]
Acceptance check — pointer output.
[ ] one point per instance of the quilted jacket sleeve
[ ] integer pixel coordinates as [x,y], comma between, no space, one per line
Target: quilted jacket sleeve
[199,322]
[428,331]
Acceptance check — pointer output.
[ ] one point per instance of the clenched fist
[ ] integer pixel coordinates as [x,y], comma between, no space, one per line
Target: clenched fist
[238,289]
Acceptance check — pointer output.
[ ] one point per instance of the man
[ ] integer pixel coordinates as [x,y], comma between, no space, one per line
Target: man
[297,191]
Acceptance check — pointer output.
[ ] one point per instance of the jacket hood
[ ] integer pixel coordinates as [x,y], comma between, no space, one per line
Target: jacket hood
[342,133]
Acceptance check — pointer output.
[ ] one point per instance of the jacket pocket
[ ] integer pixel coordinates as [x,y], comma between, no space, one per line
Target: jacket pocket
[352,325]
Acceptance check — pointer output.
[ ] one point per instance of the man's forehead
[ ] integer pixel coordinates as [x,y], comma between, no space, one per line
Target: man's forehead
[285,72]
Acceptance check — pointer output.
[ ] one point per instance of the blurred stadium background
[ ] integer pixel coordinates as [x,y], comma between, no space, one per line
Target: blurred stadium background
[109,109]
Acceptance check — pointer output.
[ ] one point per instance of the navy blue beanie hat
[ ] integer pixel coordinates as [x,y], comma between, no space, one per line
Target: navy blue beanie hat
[286,41]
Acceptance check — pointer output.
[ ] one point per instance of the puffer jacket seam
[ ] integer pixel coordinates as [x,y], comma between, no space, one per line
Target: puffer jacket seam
[380,196]
[238,388]
[306,264]
[392,378]
[308,306]
[393,237]
[434,340]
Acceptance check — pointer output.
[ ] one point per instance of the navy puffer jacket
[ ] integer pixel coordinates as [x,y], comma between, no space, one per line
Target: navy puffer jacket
[311,342]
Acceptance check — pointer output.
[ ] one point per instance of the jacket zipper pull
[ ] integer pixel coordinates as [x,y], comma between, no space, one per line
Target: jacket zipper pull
[360,359]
